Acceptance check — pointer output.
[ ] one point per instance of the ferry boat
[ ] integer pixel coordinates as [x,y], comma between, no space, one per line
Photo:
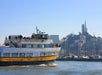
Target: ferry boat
[34,50]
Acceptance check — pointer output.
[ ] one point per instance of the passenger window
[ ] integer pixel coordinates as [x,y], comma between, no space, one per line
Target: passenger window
[28,45]
[39,45]
[35,46]
[14,54]
[22,55]
[29,54]
[42,54]
[0,54]
[6,54]
[23,45]
[47,45]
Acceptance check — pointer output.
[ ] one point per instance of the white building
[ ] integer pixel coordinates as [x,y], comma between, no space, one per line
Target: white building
[55,38]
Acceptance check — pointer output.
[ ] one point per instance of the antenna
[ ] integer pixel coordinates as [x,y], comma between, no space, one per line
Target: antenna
[85,22]
[37,30]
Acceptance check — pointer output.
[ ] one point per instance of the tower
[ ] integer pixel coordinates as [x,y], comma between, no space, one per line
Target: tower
[84,28]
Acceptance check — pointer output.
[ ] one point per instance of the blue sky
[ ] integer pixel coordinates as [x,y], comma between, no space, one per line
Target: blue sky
[60,17]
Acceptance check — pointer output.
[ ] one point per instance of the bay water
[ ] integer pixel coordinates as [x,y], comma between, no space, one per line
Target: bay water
[62,68]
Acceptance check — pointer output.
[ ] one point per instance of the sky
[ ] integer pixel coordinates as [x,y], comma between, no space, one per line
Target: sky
[55,17]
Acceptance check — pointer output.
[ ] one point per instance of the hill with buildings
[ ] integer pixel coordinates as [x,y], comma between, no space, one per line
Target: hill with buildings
[83,45]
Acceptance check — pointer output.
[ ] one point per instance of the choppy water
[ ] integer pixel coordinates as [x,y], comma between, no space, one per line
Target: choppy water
[63,68]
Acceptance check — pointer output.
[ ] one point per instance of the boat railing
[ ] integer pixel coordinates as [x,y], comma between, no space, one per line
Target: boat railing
[34,40]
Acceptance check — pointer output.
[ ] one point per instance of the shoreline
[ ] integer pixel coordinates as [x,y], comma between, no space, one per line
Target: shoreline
[81,59]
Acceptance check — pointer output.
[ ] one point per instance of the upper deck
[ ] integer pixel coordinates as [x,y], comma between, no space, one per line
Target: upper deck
[18,40]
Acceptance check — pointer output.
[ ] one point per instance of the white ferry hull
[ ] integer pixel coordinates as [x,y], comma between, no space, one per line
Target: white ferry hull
[35,59]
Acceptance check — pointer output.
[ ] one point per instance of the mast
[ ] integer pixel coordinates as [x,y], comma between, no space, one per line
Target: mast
[37,30]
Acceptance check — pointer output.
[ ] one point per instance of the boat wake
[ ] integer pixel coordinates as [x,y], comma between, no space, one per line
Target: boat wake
[48,65]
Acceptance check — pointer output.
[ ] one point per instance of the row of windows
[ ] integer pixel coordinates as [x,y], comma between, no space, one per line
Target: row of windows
[17,54]
[27,54]
[36,45]
[47,54]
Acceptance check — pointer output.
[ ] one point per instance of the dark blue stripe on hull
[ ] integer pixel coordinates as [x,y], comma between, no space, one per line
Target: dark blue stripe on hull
[25,63]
